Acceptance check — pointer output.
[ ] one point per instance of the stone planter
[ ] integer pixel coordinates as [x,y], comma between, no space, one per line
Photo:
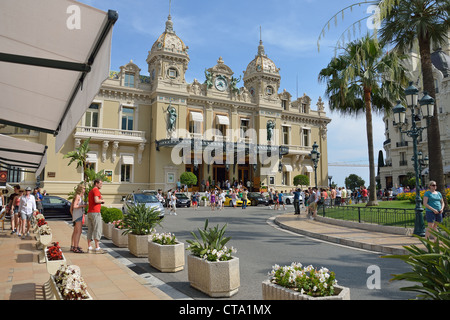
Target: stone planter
[54,265]
[118,239]
[216,279]
[166,258]
[43,240]
[271,291]
[107,230]
[138,245]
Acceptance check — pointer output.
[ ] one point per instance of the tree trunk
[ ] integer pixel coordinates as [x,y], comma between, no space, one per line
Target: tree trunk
[436,170]
[369,128]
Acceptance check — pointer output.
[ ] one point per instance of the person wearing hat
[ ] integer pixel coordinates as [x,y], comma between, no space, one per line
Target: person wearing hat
[27,206]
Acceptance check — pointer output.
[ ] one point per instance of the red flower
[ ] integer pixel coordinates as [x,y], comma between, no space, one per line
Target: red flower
[54,252]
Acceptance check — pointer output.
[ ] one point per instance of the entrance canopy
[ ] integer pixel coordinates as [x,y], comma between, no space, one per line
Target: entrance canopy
[54,56]
[31,157]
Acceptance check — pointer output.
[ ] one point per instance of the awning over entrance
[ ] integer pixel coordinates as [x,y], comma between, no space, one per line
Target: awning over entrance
[309,169]
[54,56]
[287,168]
[31,157]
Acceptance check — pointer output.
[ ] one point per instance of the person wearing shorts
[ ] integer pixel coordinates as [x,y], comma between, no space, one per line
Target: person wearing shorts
[434,206]
[95,201]
[27,205]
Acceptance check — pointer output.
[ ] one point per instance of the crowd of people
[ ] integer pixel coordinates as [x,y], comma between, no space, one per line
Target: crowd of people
[20,206]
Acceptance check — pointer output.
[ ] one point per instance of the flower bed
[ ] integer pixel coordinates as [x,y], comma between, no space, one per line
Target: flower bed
[70,284]
[54,252]
[304,280]
[163,239]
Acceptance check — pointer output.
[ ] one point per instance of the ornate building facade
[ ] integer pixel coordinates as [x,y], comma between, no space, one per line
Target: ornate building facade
[147,130]
[398,146]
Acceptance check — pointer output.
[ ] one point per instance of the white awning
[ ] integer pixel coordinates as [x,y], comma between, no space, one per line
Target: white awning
[223,120]
[18,153]
[196,116]
[54,56]
[308,169]
[128,160]
[287,168]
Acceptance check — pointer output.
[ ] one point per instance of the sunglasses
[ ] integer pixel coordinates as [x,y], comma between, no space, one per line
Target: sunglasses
[432,185]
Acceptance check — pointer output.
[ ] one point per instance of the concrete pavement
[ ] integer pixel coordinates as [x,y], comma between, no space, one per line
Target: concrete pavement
[22,277]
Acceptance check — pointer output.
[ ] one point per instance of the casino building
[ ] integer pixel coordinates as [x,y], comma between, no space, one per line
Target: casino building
[146,130]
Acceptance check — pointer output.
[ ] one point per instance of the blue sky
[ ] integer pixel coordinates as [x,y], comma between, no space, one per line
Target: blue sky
[231,30]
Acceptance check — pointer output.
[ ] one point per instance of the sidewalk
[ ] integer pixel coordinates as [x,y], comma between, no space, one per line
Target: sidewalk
[22,276]
[383,242]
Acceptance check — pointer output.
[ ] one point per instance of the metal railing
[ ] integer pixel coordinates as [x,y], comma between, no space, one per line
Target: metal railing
[372,215]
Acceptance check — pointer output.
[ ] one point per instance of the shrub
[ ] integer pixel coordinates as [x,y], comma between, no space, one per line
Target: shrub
[111,214]
[213,243]
[140,220]
[430,266]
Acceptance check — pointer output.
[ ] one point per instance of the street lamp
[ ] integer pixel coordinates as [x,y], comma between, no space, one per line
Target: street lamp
[423,162]
[426,109]
[315,156]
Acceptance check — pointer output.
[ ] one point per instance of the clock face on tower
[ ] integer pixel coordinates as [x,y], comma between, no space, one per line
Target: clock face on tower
[221,83]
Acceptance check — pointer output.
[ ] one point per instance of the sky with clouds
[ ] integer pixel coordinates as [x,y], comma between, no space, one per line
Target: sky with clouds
[231,30]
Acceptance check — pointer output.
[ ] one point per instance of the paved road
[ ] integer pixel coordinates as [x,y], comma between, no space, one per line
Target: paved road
[260,245]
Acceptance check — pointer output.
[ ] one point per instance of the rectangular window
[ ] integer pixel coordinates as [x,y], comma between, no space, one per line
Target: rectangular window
[125,173]
[127,118]
[284,104]
[306,137]
[195,127]
[91,118]
[285,178]
[285,135]
[245,125]
[14,175]
[129,80]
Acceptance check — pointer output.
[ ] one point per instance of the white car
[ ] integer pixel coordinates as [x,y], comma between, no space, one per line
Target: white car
[288,198]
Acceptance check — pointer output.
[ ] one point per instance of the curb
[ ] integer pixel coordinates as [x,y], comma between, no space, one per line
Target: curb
[345,242]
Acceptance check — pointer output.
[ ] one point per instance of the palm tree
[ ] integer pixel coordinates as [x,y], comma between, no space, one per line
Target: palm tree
[427,22]
[80,157]
[363,78]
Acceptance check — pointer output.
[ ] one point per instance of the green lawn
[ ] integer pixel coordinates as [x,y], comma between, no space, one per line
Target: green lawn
[391,213]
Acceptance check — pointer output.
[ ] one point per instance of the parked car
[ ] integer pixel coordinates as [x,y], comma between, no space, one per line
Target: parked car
[155,193]
[56,207]
[182,200]
[137,198]
[288,198]
[257,198]
[229,203]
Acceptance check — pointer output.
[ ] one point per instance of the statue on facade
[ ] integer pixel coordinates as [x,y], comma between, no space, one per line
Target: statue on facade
[234,82]
[209,79]
[270,128]
[172,115]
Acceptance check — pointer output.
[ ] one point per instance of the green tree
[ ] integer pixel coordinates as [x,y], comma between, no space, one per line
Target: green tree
[427,23]
[188,178]
[354,181]
[364,77]
[79,156]
[301,180]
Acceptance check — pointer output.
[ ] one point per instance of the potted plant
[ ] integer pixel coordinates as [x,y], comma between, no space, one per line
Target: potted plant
[118,239]
[211,267]
[296,282]
[44,237]
[139,223]
[108,216]
[54,258]
[68,284]
[205,201]
[165,253]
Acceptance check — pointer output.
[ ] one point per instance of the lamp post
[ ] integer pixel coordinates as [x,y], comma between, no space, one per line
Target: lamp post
[423,162]
[426,109]
[315,156]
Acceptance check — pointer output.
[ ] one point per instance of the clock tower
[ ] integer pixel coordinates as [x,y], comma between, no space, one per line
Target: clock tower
[168,60]
[219,77]
[262,78]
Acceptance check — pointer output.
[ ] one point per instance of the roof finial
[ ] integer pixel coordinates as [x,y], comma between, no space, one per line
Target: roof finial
[170,7]
[261,51]
[169,23]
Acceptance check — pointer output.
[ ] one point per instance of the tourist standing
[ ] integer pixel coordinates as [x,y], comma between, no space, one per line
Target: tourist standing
[77,210]
[95,201]
[297,201]
[27,206]
[434,206]
[173,203]
[244,198]
[212,200]
[10,205]
[195,200]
